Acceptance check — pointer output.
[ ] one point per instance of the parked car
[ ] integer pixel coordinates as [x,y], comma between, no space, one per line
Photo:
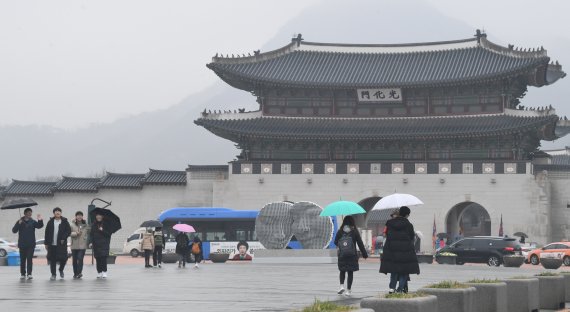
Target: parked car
[483,249]
[562,247]
[133,245]
[6,247]
[525,250]
[41,251]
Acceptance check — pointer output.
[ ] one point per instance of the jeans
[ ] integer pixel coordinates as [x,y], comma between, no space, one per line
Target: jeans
[182,259]
[53,260]
[349,280]
[77,261]
[26,256]
[101,264]
[401,280]
[147,253]
[157,256]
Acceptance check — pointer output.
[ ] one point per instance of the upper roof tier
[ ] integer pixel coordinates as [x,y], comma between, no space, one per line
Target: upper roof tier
[324,65]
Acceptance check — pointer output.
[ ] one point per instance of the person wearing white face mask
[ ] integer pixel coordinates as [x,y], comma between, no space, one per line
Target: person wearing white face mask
[346,240]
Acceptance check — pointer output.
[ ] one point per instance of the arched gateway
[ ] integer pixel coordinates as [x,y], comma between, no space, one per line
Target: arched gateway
[467,219]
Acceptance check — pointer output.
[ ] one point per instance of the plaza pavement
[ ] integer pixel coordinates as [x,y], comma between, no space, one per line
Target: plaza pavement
[237,286]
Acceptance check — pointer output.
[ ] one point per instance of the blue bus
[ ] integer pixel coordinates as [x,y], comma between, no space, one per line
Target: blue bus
[218,225]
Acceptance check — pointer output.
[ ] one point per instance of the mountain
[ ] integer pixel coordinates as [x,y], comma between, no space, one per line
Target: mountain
[168,139]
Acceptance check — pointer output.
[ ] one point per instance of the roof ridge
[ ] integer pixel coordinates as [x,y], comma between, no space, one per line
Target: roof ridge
[408,44]
[35,182]
[79,178]
[124,174]
[162,170]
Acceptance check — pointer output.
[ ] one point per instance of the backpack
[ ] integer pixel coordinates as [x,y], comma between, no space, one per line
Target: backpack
[158,240]
[346,247]
[196,248]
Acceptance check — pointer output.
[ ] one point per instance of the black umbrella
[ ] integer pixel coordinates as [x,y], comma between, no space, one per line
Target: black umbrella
[111,220]
[520,234]
[442,235]
[151,224]
[18,203]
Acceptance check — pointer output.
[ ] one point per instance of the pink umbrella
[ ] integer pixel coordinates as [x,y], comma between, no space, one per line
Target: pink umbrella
[184,228]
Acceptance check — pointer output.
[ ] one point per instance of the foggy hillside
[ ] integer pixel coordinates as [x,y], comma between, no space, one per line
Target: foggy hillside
[168,139]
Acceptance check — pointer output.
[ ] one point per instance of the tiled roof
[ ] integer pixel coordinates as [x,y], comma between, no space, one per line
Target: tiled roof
[72,184]
[378,128]
[122,180]
[560,160]
[322,65]
[194,168]
[20,188]
[165,177]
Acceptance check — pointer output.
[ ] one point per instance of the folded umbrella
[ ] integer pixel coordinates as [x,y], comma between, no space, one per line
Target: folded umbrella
[151,224]
[18,203]
[112,221]
[185,228]
[342,208]
[397,200]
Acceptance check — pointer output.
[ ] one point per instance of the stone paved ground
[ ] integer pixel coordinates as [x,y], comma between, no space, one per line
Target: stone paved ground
[213,287]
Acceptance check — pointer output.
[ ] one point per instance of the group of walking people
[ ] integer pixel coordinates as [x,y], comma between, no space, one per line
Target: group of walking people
[188,252]
[398,258]
[58,230]
[153,242]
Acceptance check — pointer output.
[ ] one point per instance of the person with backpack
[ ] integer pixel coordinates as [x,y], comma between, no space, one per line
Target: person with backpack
[158,247]
[182,242]
[196,250]
[147,245]
[346,240]
[399,257]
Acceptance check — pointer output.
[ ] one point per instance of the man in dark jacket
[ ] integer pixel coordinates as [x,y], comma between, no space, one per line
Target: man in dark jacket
[399,256]
[26,229]
[58,230]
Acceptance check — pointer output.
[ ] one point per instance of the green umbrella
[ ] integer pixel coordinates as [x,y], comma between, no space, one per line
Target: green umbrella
[342,208]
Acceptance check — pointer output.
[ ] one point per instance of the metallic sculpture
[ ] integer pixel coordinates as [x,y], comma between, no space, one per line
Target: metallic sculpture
[273,225]
[310,229]
[278,222]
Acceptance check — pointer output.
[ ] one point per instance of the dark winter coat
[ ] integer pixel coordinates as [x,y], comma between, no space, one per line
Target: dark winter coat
[27,232]
[182,244]
[399,255]
[100,239]
[63,233]
[350,264]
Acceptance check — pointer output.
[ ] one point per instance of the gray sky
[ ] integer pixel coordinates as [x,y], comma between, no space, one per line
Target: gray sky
[71,63]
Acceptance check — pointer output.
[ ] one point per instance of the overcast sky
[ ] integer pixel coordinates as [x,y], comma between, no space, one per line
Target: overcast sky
[71,63]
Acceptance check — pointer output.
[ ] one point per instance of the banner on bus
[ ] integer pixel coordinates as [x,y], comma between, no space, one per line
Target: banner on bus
[237,250]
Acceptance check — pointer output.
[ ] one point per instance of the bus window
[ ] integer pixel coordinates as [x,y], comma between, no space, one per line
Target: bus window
[241,235]
[215,236]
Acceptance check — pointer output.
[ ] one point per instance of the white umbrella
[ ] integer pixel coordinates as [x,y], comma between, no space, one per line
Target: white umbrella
[397,200]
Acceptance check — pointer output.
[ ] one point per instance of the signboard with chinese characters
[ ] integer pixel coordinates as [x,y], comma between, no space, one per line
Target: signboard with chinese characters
[379,95]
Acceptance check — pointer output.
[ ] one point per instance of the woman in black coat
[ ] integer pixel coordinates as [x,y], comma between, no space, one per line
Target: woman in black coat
[348,237]
[100,241]
[399,256]
[182,249]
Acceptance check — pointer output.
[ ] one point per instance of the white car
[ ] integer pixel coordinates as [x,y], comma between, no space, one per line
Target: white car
[41,251]
[6,247]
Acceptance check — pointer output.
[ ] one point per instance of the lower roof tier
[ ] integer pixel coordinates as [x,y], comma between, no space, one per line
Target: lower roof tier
[254,125]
